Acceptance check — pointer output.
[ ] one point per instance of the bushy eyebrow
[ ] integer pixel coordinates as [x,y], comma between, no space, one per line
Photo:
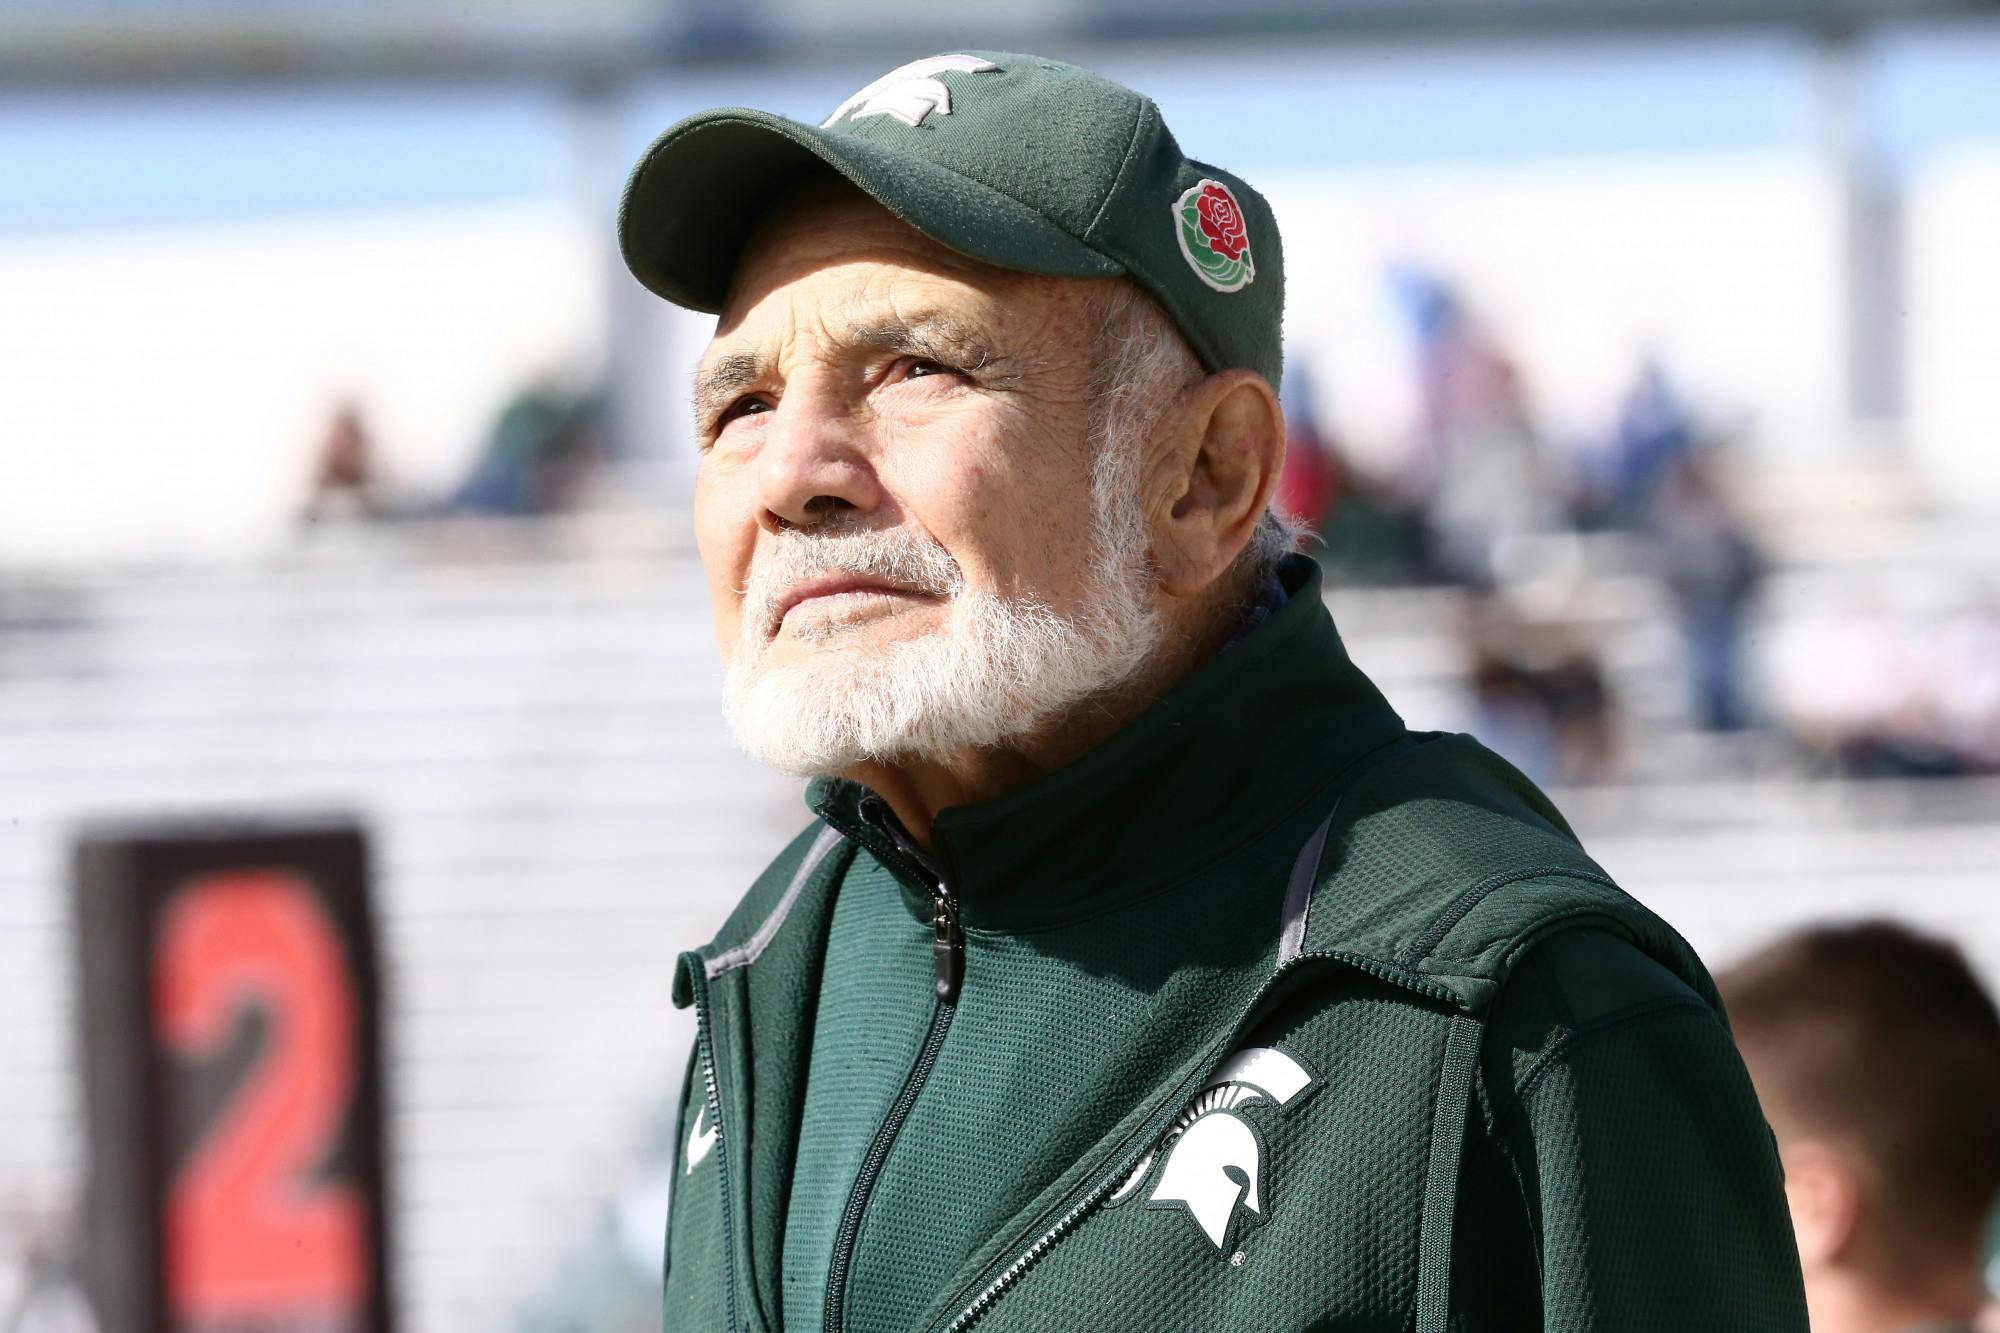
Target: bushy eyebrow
[932,334]
[717,383]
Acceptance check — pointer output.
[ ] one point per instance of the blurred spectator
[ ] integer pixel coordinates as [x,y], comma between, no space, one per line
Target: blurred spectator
[1482,455]
[1967,681]
[1540,697]
[1894,691]
[1655,431]
[541,450]
[1876,1055]
[1712,571]
[344,484]
[1310,481]
[1373,535]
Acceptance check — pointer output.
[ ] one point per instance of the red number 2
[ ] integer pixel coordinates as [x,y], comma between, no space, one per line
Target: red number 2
[249,1233]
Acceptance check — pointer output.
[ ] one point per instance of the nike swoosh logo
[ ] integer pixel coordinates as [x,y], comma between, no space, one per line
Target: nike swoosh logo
[699,1141]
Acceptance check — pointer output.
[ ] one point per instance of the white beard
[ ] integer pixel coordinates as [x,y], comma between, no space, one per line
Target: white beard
[998,670]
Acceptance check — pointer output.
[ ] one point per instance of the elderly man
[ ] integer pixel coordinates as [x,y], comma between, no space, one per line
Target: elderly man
[1139,970]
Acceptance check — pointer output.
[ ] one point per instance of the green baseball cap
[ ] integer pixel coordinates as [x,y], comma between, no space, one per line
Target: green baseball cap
[1025,163]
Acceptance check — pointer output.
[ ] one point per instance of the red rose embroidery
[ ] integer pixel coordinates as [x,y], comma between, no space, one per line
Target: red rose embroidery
[1222,222]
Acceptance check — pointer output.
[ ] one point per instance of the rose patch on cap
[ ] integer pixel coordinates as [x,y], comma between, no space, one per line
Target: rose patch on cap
[1214,239]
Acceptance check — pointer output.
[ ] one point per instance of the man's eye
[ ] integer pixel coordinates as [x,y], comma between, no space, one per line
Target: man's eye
[742,407]
[924,368]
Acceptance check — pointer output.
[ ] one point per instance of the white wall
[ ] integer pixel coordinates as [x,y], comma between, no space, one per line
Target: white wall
[166,390]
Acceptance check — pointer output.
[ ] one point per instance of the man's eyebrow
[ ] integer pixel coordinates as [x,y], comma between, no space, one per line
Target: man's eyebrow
[931,334]
[721,380]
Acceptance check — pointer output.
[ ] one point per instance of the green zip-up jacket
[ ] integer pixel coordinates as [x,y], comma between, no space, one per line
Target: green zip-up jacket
[1267,1014]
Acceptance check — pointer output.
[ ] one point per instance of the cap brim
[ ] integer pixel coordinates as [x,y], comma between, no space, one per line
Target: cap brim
[696,195]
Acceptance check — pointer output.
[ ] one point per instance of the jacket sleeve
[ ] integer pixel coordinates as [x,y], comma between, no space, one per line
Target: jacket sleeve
[1639,1161]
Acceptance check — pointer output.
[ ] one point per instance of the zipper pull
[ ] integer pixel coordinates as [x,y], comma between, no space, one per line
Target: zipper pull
[947,949]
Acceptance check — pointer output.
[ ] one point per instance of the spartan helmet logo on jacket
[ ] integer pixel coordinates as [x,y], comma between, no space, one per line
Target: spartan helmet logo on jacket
[1214,1168]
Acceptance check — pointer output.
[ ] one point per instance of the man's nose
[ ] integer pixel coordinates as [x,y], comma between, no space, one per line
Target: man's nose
[812,463]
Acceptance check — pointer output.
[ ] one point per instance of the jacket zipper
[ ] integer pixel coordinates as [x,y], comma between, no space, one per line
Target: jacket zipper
[887,840]
[712,1096]
[879,831]
[871,1167]
[1163,1115]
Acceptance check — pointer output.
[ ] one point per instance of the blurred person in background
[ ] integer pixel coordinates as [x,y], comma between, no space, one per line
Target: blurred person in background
[1872,686]
[1876,1054]
[1139,969]
[344,484]
[1364,529]
[540,451]
[1483,454]
[1309,485]
[1712,570]
[1968,678]
[1654,431]
[1539,694]
[538,457]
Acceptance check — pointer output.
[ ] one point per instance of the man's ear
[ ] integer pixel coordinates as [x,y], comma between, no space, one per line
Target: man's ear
[1216,472]
[1825,1193]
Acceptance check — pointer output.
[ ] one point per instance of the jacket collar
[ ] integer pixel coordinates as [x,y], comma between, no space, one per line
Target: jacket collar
[1221,758]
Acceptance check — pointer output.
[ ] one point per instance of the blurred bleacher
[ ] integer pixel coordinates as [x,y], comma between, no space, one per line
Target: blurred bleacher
[526,719]
[530,735]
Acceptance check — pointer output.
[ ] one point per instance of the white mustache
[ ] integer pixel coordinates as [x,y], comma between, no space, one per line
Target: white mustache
[896,557]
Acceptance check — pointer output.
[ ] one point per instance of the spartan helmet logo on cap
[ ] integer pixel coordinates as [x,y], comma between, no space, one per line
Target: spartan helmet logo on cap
[909,92]
[1215,1157]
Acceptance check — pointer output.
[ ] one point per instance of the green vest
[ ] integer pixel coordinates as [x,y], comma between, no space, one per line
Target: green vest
[1266,1014]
